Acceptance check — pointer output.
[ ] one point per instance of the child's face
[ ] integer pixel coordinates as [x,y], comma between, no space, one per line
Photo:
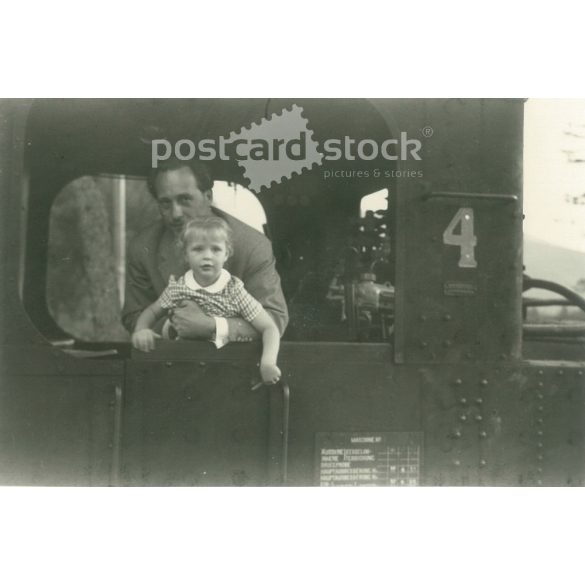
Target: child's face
[206,254]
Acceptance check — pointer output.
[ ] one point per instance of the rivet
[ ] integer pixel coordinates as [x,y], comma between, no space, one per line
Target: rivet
[540,372]
[479,400]
[202,364]
[539,482]
[456,434]
[482,434]
[540,396]
[447,317]
[482,463]
[540,445]
[560,372]
[463,418]
[539,433]
[479,418]
[189,398]
[484,382]
[580,373]
[539,457]
[458,382]
[540,408]
[539,470]
[168,364]
[423,344]
[456,462]
[540,384]
[463,400]
[539,421]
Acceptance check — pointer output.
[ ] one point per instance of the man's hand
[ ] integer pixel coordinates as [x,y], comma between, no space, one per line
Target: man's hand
[144,340]
[191,322]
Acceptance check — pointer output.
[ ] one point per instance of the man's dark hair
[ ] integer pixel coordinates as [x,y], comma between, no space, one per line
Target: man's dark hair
[200,172]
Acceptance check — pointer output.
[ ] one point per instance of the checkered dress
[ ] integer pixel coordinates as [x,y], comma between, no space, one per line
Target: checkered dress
[232,301]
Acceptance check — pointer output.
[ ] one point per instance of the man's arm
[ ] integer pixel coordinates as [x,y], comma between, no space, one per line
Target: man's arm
[261,281]
[192,323]
[139,292]
[144,337]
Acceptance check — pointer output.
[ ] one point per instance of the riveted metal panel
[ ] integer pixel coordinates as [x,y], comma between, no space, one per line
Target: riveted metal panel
[507,425]
[447,312]
[476,425]
[352,394]
[195,423]
[557,394]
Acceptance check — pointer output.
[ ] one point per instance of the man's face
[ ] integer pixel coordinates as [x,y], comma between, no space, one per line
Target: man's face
[179,198]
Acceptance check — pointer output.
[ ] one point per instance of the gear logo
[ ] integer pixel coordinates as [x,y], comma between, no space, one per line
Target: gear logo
[287,141]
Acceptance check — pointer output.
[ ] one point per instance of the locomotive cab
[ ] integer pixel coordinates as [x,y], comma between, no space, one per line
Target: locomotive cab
[403,362]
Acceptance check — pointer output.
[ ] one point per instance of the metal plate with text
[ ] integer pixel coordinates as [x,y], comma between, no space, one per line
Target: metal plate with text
[368,459]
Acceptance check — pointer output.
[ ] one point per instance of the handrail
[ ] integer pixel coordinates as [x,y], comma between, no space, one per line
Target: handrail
[554,329]
[570,295]
[280,461]
[530,302]
[117,436]
[506,198]
[285,420]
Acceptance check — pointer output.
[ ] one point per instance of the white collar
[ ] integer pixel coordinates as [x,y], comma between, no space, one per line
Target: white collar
[217,286]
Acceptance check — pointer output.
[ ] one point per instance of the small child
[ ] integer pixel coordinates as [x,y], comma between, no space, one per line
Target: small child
[207,245]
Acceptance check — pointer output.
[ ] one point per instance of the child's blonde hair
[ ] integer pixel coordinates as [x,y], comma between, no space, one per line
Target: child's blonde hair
[208,224]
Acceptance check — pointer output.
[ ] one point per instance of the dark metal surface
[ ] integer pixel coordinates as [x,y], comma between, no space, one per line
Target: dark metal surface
[57,430]
[195,423]
[475,148]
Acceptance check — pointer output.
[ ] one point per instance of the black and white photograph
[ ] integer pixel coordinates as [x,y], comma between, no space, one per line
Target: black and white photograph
[293,292]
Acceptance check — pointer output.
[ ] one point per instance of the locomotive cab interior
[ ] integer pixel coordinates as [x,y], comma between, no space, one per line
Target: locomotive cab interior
[331,237]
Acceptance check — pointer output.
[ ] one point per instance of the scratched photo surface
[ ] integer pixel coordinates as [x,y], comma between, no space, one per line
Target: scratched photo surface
[421,260]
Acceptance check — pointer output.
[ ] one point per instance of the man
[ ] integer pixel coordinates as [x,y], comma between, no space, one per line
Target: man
[183,191]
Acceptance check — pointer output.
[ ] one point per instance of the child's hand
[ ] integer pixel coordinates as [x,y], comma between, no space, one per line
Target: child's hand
[144,339]
[270,373]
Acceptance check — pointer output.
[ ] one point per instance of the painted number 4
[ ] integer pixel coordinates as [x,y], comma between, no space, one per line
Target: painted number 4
[465,239]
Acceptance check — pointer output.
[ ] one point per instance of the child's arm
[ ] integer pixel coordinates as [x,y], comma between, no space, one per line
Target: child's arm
[270,346]
[143,336]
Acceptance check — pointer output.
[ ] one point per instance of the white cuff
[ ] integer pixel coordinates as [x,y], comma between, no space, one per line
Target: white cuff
[222,332]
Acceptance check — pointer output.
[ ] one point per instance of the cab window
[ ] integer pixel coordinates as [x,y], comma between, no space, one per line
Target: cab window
[92,221]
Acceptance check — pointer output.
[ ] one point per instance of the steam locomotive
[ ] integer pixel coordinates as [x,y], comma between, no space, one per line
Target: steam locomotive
[407,360]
